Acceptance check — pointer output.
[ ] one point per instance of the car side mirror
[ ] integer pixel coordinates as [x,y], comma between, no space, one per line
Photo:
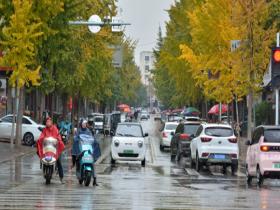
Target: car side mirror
[172,133]
[146,135]
[248,143]
[192,136]
[112,133]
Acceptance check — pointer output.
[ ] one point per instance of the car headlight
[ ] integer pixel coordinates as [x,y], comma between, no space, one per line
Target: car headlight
[116,143]
[140,144]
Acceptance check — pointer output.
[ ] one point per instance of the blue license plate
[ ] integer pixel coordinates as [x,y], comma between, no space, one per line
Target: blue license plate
[219,156]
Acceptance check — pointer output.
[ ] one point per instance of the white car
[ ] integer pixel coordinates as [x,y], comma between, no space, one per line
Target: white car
[166,136]
[129,143]
[191,118]
[215,144]
[31,131]
[98,122]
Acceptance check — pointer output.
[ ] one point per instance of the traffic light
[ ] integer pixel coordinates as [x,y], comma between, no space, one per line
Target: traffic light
[275,67]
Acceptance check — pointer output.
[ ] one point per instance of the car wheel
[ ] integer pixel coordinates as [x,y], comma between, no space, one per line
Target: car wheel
[248,177]
[197,163]
[113,162]
[178,156]
[259,177]
[192,164]
[172,157]
[28,139]
[234,168]
[143,163]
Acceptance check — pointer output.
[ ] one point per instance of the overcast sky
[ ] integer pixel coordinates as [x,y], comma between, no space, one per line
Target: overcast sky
[145,17]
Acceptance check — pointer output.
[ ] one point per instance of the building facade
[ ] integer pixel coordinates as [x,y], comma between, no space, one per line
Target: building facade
[146,65]
[147,61]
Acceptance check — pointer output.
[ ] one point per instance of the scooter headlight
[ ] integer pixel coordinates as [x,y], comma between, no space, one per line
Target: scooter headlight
[117,143]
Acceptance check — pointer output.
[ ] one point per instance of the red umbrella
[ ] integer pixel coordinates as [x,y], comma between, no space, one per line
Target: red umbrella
[215,109]
[123,106]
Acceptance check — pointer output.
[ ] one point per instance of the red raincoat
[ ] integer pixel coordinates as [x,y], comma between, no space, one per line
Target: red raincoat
[50,132]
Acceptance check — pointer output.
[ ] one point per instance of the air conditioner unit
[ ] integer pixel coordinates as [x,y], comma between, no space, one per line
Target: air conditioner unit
[3,84]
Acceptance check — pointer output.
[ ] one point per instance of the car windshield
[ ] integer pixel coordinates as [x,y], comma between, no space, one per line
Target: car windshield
[272,135]
[171,126]
[191,128]
[129,130]
[98,119]
[219,131]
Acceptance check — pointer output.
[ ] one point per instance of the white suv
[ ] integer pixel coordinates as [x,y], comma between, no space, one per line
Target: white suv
[215,144]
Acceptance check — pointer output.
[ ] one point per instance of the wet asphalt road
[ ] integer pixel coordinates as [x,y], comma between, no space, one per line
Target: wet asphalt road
[160,185]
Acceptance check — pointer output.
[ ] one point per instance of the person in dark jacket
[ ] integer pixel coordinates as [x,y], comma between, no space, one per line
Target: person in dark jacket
[83,130]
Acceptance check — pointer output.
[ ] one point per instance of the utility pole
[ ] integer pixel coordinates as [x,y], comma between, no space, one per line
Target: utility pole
[277,88]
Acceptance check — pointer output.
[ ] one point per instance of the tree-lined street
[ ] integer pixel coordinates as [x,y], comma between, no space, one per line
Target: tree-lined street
[193,124]
[160,185]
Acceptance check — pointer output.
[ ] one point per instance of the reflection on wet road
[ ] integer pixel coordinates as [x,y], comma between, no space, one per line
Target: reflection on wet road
[160,185]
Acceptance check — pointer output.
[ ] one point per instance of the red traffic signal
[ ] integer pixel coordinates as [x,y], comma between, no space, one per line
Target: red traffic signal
[276,55]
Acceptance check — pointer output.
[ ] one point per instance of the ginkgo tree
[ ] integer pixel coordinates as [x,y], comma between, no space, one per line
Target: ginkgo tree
[223,74]
[19,46]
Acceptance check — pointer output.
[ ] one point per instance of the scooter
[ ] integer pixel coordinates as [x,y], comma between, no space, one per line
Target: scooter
[64,135]
[48,161]
[85,160]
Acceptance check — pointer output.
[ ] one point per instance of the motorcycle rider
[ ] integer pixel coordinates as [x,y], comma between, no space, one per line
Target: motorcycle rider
[75,147]
[51,131]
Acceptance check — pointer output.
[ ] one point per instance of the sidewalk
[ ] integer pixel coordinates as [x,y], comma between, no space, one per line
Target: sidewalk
[7,153]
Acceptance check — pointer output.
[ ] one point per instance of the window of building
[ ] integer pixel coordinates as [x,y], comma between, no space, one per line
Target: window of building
[147,58]
[147,68]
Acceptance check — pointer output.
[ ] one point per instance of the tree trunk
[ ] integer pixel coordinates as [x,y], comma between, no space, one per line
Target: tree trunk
[19,116]
[14,119]
[250,110]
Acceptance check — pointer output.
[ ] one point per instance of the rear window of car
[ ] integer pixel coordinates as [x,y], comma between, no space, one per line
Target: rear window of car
[219,131]
[192,119]
[272,135]
[190,128]
[170,126]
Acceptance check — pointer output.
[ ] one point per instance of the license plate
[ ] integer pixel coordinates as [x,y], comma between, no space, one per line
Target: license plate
[128,151]
[219,156]
[276,165]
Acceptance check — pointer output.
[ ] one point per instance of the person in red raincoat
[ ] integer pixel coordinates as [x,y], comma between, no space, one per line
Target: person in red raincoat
[51,131]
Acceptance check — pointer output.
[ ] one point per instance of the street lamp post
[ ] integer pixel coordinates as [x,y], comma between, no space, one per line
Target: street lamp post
[95,23]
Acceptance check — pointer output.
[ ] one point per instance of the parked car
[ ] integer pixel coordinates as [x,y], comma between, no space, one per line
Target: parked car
[263,154]
[166,136]
[129,143]
[215,144]
[31,131]
[144,115]
[181,139]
